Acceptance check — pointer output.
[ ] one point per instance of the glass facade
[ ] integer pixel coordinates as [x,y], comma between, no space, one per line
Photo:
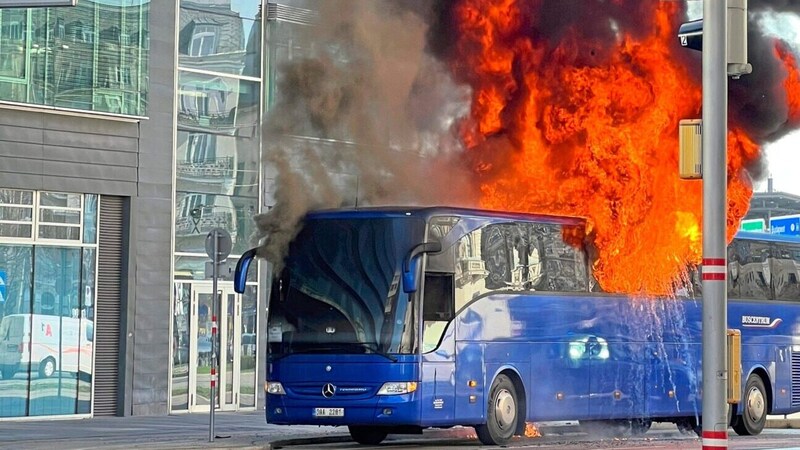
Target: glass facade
[89,57]
[218,154]
[48,261]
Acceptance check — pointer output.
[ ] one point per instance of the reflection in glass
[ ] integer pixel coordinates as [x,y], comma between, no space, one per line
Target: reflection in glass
[214,37]
[249,341]
[90,219]
[229,329]
[47,315]
[85,367]
[55,331]
[216,103]
[16,270]
[197,214]
[217,164]
[180,347]
[203,351]
[91,57]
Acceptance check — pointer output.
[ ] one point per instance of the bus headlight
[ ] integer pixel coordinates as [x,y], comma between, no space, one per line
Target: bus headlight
[397,388]
[274,388]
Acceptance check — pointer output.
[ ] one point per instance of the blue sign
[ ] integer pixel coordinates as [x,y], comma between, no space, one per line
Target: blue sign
[785,225]
[2,286]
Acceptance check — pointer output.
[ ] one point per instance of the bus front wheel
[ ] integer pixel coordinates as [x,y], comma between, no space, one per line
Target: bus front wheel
[502,413]
[367,435]
[754,408]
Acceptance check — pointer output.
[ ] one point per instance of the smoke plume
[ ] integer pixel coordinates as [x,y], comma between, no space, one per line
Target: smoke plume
[361,118]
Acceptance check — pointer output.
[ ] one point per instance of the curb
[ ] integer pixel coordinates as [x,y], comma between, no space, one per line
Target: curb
[783,423]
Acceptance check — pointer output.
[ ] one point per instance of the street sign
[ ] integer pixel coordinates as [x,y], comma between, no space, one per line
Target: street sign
[36,3]
[3,282]
[785,225]
[756,225]
[224,244]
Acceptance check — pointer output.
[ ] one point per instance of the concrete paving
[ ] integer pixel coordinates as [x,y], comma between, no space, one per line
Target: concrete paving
[242,430]
[185,431]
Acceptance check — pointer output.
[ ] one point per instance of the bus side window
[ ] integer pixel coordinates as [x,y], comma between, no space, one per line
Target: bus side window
[785,272]
[749,270]
[437,308]
[438,302]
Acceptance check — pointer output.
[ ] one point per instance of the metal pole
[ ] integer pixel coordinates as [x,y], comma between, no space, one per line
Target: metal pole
[214,359]
[715,124]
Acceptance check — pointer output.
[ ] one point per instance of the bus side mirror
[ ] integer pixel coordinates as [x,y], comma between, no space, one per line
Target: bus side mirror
[410,280]
[240,274]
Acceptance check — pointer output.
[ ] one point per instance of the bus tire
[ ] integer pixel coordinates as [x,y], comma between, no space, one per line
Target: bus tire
[47,368]
[367,435]
[688,426]
[639,427]
[754,408]
[502,414]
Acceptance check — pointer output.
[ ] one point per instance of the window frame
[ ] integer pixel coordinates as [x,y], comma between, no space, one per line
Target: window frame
[36,209]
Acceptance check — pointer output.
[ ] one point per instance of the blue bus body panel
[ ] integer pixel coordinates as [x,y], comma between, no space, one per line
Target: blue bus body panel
[356,378]
[637,358]
[643,357]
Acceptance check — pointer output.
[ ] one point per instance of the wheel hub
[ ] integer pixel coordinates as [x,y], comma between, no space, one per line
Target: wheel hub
[755,405]
[505,409]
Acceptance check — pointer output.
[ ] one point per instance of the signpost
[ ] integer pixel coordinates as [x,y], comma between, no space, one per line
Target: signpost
[218,247]
[785,225]
[715,293]
[753,225]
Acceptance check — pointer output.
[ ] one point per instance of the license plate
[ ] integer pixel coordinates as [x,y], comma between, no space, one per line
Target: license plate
[328,412]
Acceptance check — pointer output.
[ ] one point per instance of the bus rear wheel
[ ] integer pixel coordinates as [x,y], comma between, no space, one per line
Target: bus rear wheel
[502,415]
[754,408]
[367,435]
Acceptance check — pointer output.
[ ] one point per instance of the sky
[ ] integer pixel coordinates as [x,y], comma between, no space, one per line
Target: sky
[783,156]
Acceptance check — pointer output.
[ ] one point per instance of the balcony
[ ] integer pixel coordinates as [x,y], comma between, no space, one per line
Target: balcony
[210,169]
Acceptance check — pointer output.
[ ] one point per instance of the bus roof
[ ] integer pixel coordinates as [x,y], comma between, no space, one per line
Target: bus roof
[426,212]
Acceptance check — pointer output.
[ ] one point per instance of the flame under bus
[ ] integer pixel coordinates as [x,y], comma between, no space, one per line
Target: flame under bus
[394,320]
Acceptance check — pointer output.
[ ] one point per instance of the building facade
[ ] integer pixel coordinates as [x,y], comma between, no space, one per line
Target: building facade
[129,129]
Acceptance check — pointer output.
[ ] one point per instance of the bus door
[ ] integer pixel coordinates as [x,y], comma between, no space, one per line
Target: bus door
[438,350]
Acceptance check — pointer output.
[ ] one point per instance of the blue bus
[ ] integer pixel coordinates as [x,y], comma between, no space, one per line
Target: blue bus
[392,320]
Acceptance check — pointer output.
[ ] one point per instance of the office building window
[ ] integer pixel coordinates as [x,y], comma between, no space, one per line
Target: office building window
[89,57]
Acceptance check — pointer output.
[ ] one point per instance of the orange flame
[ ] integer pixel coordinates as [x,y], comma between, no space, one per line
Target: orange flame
[531,430]
[552,133]
[792,82]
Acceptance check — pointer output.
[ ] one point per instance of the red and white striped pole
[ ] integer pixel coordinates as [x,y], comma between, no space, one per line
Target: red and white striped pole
[715,180]
[214,347]
[715,440]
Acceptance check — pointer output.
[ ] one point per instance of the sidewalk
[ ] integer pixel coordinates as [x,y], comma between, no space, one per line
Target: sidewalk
[190,431]
[185,431]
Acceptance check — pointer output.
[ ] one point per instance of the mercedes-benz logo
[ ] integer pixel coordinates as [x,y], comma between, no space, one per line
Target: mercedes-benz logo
[328,390]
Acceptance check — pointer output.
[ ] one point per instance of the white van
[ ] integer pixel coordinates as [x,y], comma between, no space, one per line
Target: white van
[46,344]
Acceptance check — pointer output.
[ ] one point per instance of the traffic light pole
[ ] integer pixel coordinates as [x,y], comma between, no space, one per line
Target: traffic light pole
[714,269]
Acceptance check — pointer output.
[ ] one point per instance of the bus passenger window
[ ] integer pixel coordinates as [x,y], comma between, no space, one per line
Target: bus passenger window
[437,308]
[438,300]
[785,272]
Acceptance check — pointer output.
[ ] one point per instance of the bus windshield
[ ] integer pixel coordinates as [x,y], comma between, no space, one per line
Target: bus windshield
[340,290]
